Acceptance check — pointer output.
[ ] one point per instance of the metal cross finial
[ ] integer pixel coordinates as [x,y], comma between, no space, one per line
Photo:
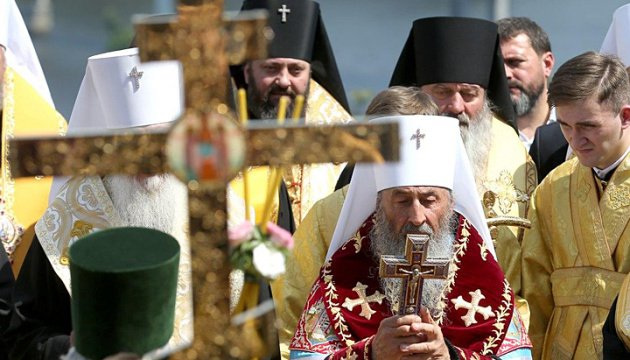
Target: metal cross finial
[284,11]
[136,75]
[413,268]
[417,136]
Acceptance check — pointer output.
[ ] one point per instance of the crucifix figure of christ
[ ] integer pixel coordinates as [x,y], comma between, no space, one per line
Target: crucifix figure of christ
[413,269]
[196,40]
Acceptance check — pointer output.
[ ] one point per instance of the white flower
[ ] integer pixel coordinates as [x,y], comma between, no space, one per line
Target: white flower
[268,261]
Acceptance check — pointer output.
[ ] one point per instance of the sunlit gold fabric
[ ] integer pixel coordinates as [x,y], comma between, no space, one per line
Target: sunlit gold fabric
[575,258]
[25,113]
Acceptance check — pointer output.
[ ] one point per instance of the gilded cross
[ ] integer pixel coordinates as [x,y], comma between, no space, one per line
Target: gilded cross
[195,38]
[417,136]
[136,75]
[413,268]
[363,300]
[473,307]
[284,11]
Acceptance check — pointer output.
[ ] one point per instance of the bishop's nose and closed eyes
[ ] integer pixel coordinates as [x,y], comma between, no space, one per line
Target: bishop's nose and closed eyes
[455,104]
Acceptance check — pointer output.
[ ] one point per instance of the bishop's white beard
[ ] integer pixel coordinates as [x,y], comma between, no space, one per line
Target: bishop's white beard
[477,136]
[158,202]
[385,241]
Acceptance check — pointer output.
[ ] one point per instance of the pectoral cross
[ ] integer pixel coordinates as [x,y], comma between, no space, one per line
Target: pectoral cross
[196,39]
[136,75]
[417,136]
[363,300]
[284,11]
[413,269]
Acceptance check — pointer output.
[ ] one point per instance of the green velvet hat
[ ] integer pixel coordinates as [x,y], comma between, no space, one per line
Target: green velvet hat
[124,283]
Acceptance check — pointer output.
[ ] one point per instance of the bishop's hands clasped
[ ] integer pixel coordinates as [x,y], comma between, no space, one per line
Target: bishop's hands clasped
[409,337]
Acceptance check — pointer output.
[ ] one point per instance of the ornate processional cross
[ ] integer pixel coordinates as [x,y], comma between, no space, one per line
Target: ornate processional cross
[284,10]
[363,300]
[196,39]
[413,268]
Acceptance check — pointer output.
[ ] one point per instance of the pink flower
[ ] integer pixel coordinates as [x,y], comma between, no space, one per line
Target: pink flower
[279,236]
[240,233]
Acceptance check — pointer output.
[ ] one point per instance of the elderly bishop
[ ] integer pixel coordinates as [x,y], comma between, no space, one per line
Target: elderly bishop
[468,315]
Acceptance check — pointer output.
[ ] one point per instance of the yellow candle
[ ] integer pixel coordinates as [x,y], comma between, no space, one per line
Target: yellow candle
[297,110]
[242,112]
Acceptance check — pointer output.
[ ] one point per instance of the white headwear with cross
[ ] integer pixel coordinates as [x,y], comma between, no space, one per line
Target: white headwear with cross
[617,40]
[431,154]
[119,92]
[115,96]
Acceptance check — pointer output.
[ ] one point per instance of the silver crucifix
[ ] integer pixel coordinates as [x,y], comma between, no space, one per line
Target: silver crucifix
[284,11]
[417,136]
[136,75]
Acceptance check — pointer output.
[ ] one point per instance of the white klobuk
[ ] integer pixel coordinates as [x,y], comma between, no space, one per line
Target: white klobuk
[119,92]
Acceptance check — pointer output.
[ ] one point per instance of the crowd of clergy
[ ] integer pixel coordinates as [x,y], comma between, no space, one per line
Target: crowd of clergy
[511,194]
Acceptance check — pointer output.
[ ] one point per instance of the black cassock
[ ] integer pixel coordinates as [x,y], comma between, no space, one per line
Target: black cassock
[41,323]
[613,346]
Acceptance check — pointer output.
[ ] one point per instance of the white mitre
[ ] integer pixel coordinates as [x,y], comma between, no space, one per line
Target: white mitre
[120,92]
[20,53]
[438,158]
[617,40]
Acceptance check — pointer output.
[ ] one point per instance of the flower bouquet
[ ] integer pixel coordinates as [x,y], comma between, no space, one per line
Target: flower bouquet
[259,252]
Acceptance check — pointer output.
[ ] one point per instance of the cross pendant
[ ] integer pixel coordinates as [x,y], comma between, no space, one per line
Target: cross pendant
[413,268]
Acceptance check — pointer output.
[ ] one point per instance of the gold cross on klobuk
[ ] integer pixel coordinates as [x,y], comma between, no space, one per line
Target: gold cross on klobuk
[196,40]
[413,269]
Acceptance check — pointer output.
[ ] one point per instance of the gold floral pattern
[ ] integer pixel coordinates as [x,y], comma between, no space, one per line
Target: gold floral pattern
[330,296]
[358,242]
[349,355]
[81,228]
[619,196]
[582,190]
[500,326]
[506,192]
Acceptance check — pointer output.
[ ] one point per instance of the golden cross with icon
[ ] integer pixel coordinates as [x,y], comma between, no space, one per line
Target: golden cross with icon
[195,38]
[413,269]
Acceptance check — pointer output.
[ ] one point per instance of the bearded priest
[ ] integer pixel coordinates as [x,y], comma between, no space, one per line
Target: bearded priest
[118,92]
[469,315]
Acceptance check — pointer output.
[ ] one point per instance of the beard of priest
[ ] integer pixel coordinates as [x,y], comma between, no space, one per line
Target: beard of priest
[388,239]
[272,78]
